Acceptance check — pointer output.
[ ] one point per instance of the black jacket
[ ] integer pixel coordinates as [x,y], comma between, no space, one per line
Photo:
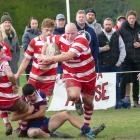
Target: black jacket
[109,57]
[129,36]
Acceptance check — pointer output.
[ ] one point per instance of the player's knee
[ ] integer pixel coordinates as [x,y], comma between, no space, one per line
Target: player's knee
[33,133]
[73,97]
[66,114]
[88,101]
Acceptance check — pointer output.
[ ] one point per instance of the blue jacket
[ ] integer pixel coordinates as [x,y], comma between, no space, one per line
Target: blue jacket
[28,35]
[92,38]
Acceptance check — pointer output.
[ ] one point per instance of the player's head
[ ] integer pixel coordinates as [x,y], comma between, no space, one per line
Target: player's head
[47,27]
[29,92]
[71,31]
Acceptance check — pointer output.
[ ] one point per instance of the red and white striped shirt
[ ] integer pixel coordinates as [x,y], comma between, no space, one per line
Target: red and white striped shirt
[7,97]
[40,72]
[7,51]
[81,67]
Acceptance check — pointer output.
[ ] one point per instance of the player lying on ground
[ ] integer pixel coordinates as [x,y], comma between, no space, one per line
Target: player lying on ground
[37,125]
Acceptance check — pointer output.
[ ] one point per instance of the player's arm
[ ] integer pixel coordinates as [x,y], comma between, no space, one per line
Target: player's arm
[10,74]
[14,116]
[38,114]
[22,67]
[58,58]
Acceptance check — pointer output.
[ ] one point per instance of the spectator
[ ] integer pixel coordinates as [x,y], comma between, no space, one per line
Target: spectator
[92,22]
[130,33]
[10,38]
[120,21]
[88,32]
[31,31]
[60,24]
[112,53]
[59,30]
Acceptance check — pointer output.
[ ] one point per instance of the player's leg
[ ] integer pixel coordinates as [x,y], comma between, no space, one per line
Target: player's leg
[37,133]
[88,91]
[8,126]
[74,90]
[58,120]
[88,108]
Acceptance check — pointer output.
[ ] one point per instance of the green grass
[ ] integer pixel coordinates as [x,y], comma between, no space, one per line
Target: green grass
[121,124]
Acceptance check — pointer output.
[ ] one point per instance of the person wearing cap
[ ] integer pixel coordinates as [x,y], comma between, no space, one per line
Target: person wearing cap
[9,38]
[120,21]
[59,30]
[60,24]
[91,20]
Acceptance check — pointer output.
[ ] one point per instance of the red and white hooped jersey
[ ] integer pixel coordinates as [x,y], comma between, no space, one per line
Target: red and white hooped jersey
[81,67]
[40,72]
[7,97]
[7,51]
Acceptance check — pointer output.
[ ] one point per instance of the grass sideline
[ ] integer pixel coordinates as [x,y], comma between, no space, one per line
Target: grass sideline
[123,124]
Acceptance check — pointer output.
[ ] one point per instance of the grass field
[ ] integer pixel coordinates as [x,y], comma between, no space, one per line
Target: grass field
[121,124]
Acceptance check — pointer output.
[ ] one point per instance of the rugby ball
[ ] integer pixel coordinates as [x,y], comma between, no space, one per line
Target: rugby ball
[52,49]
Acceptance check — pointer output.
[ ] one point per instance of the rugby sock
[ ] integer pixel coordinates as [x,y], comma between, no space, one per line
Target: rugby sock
[23,125]
[88,111]
[4,116]
[85,129]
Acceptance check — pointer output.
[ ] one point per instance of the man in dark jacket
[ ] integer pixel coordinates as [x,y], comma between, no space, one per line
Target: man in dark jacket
[88,32]
[130,32]
[59,30]
[112,53]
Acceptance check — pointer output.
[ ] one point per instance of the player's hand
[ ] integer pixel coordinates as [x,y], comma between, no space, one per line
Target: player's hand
[40,59]
[15,88]
[43,59]
[16,76]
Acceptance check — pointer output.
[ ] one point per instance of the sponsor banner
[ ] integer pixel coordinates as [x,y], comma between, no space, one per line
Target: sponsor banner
[105,96]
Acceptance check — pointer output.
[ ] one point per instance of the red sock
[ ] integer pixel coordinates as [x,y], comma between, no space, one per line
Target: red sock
[88,111]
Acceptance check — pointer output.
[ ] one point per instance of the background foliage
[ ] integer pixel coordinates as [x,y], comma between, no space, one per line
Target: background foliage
[22,10]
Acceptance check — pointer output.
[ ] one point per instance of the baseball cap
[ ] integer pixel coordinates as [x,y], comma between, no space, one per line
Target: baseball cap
[60,16]
[120,17]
